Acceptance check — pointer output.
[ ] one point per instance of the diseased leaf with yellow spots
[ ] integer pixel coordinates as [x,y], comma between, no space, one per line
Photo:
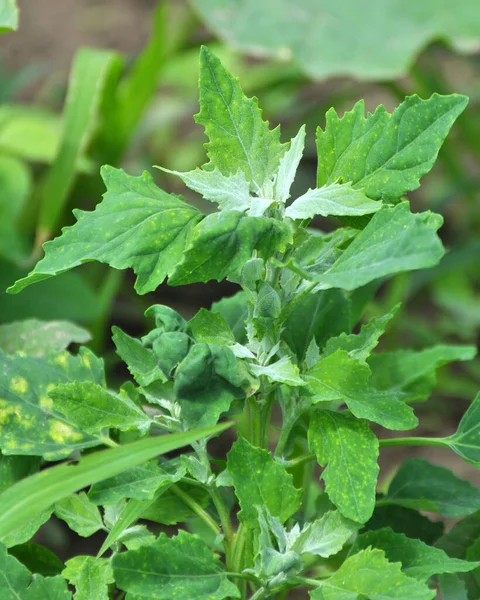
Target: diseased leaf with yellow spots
[260,481]
[29,423]
[348,450]
[181,567]
[137,225]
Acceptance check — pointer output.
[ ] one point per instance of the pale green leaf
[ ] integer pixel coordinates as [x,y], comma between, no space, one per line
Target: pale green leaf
[141,362]
[260,481]
[90,576]
[281,371]
[27,530]
[8,15]
[385,155]
[239,138]
[421,485]
[466,440]
[288,167]
[210,327]
[178,568]
[223,242]
[39,338]
[92,408]
[348,450]
[340,377]
[417,559]
[334,199]
[80,514]
[137,225]
[234,310]
[369,574]
[395,240]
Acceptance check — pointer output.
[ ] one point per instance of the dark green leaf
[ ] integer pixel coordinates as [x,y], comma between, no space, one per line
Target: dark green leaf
[37,559]
[407,521]
[234,310]
[141,361]
[170,509]
[349,450]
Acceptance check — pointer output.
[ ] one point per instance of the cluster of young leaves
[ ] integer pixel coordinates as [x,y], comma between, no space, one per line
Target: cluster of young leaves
[288,338]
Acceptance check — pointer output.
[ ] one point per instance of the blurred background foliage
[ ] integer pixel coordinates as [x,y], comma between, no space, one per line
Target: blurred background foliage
[90,82]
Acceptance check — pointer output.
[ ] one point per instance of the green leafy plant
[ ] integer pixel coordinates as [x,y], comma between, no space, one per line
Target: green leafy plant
[287,359]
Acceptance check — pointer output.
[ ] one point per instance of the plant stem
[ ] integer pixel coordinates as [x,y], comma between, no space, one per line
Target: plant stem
[300,460]
[414,441]
[224,516]
[197,509]
[254,421]
[238,549]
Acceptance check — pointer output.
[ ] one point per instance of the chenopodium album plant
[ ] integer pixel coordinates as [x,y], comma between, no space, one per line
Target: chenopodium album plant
[283,360]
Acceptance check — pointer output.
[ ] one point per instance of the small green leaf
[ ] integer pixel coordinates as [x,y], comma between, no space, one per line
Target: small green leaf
[369,574]
[182,567]
[335,199]
[137,225]
[339,377]
[207,381]
[395,240]
[349,450]
[90,576]
[92,408]
[234,310]
[282,371]
[466,440]
[223,242]
[288,167]
[169,509]
[421,485]
[325,536]
[37,559]
[210,327]
[260,481]
[39,338]
[385,155]
[8,15]
[239,138]
[414,373]
[141,361]
[80,514]
[418,560]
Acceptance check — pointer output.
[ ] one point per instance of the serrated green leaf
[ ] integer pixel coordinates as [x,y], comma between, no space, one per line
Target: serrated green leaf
[178,568]
[223,242]
[230,192]
[31,496]
[90,576]
[260,481]
[92,408]
[466,440]
[137,225]
[39,338]
[207,381]
[80,514]
[335,199]
[318,316]
[17,583]
[325,536]
[281,371]
[37,559]
[369,574]
[359,346]
[421,485]
[395,240]
[385,155]
[210,327]
[141,361]
[31,423]
[339,377]
[239,138]
[348,450]
[141,483]
[288,167]
[417,559]
[414,373]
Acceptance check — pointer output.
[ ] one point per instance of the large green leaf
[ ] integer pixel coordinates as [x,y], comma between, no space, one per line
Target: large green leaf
[239,138]
[421,485]
[465,441]
[90,576]
[369,574]
[17,583]
[418,560]
[395,240]
[414,373]
[137,225]
[223,242]
[385,155]
[348,450]
[31,424]
[377,44]
[34,494]
[178,568]
[340,377]
[8,15]
[260,481]
[38,338]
